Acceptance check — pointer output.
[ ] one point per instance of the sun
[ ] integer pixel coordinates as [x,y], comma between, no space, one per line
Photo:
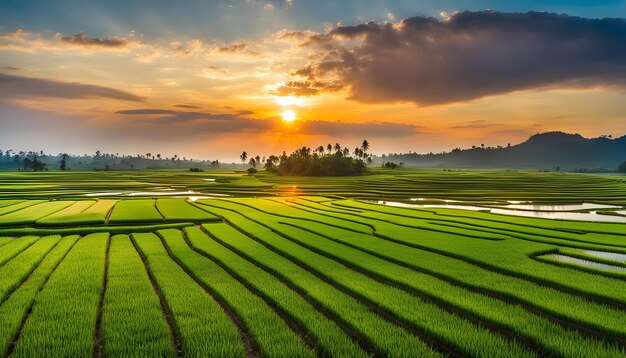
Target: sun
[289,116]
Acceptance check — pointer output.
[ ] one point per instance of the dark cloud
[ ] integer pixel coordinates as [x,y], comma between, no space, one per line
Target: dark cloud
[81,39]
[12,68]
[21,87]
[186,106]
[470,55]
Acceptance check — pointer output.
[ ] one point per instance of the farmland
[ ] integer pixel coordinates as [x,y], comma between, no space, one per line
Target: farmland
[167,264]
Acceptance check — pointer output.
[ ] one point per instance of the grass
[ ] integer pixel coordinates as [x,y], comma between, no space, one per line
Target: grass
[63,318]
[272,335]
[179,210]
[203,327]
[132,322]
[15,308]
[33,213]
[15,271]
[537,330]
[13,248]
[80,213]
[328,337]
[139,211]
[304,275]
[382,337]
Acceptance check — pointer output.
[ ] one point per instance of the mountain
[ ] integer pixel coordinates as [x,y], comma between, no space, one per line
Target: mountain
[543,150]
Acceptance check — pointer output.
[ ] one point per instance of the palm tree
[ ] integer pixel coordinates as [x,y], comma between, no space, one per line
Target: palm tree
[365,146]
[243,157]
[329,148]
[258,159]
[337,147]
[159,156]
[252,162]
[320,149]
[346,151]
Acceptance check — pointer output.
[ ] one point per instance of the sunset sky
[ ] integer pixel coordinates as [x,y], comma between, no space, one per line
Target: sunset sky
[208,79]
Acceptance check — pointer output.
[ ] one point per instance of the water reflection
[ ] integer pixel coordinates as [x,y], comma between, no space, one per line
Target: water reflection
[585,263]
[582,216]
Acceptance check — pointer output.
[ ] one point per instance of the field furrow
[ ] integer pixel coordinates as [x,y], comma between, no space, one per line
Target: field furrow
[201,324]
[539,331]
[132,321]
[17,270]
[63,318]
[15,247]
[14,310]
[327,336]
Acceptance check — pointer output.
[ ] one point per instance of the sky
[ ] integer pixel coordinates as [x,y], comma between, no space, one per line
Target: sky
[209,79]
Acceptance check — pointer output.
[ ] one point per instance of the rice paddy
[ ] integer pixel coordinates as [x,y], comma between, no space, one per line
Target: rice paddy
[295,267]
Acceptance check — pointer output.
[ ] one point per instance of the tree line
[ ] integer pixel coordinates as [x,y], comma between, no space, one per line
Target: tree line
[329,160]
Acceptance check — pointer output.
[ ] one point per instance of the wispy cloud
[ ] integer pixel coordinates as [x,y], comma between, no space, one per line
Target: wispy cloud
[29,87]
[80,39]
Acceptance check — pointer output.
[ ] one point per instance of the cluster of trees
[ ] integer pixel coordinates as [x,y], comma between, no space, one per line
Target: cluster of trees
[40,161]
[321,161]
[622,168]
[391,165]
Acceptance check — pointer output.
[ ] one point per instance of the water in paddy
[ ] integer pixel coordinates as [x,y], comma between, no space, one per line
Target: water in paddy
[581,262]
[564,215]
[607,255]
[559,207]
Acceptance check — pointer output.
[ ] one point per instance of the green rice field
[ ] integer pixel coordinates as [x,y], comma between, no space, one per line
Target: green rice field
[223,264]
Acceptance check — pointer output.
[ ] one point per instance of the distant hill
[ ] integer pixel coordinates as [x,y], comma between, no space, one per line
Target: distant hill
[543,150]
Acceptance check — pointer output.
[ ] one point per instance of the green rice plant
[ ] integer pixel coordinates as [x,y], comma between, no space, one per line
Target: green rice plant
[449,329]
[136,212]
[542,331]
[31,214]
[118,229]
[272,335]
[327,335]
[515,262]
[17,270]
[201,324]
[177,210]
[63,319]
[577,309]
[18,205]
[4,203]
[132,321]
[15,247]
[15,308]
[80,213]
[381,336]
[5,240]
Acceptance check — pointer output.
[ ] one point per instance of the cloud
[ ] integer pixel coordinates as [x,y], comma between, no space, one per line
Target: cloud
[186,106]
[307,88]
[12,68]
[26,87]
[180,116]
[17,33]
[237,47]
[80,39]
[468,55]
[226,122]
